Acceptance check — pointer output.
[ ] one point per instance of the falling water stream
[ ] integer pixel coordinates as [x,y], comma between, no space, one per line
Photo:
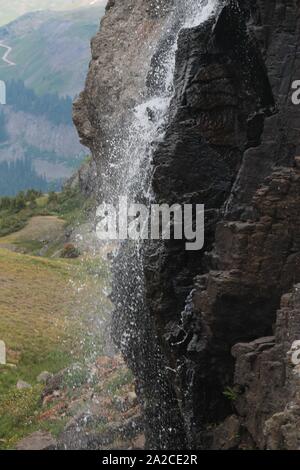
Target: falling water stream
[129,168]
[129,173]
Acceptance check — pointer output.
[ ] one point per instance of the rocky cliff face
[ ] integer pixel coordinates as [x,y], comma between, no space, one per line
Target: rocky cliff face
[116,82]
[224,321]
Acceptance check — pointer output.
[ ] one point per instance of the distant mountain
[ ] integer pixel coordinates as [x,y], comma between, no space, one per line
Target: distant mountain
[50,50]
[39,129]
[11,9]
[20,175]
[44,57]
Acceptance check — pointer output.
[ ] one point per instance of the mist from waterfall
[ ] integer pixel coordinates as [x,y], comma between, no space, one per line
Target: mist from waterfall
[128,173]
[129,169]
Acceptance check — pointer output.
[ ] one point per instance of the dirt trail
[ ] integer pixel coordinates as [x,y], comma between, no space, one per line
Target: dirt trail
[8,50]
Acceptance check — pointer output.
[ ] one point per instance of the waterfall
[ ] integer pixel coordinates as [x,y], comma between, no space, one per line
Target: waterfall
[129,169]
[129,173]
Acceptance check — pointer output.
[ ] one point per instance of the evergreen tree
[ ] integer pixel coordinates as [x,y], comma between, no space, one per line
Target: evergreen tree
[18,176]
[58,110]
[3,133]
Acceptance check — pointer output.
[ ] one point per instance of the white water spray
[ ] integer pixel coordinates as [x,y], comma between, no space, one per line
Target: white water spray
[129,168]
[128,173]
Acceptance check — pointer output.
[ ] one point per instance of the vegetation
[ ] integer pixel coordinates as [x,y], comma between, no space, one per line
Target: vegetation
[120,379]
[15,212]
[58,110]
[18,175]
[69,204]
[44,324]
[14,8]
[38,330]
[34,323]
[231,394]
[45,327]
[3,133]
[18,416]
[36,48]
[70,251]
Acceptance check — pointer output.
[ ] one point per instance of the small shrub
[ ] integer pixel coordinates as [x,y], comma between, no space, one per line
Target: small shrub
[20,201]
[70,251]
[5,203]
[31,195]
[53,198]
[231,394]
[76,376]
[123,377]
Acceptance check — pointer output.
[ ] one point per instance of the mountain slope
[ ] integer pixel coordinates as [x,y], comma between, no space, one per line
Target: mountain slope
[51,53]
[11,9]
[50,49]
[37,130]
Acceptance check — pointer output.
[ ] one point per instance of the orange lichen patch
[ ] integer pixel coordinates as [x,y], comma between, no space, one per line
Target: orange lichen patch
[53,413]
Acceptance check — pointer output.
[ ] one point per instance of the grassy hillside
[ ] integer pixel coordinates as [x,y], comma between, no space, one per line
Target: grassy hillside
[51,50]
[49,319]
[33,323]
[46,327]
[36,329]
[16,212]
[11,9]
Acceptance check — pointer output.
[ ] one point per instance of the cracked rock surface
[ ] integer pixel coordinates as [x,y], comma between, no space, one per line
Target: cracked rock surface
[223,320]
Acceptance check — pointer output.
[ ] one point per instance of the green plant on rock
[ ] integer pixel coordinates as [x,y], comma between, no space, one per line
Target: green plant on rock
[231,394]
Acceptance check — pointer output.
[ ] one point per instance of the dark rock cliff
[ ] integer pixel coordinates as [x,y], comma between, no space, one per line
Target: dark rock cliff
[222,321]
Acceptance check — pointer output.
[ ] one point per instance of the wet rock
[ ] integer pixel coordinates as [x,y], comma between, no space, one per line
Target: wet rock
[282,430]
[44,377]
[21,385]
[37,441]
[271,413]
[297,162]
[139,442]
[54,383]
[132,399]
[229,146]
[227,435]
[76,437]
